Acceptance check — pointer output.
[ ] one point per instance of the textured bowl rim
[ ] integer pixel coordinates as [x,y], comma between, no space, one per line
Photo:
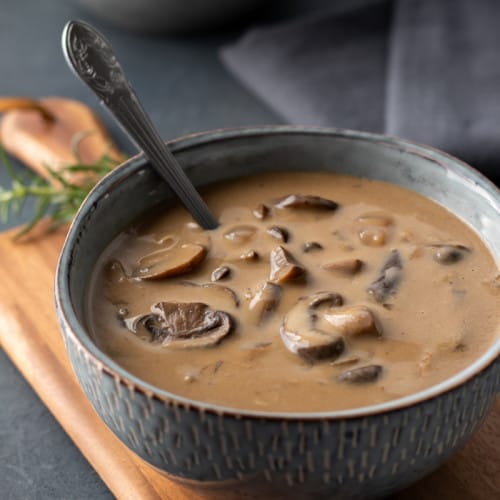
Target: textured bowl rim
[68,319]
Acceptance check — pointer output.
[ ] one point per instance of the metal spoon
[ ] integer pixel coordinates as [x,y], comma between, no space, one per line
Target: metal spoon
[91,58]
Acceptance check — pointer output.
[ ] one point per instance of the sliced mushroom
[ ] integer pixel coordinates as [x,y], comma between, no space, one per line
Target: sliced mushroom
[305,201]
[350,321]
[249,255]
[279,233]
[240,234]
[347,267]
[261,212]
[213,290]
[361,375]
[145,326]
[265,301]
[283,266]
[310,246]
[300,335]
[220,272]
[388,278]
[190,324]
[330,299]
[164,263]
[449,254]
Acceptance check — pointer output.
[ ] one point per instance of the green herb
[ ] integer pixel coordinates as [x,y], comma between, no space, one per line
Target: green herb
[56,198]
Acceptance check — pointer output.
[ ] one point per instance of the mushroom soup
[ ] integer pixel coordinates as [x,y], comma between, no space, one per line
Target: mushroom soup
[317,292]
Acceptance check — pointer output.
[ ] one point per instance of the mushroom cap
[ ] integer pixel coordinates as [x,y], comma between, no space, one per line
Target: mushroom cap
[171,262]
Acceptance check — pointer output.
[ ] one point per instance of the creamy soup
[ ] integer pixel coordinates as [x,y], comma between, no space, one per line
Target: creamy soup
[317,292]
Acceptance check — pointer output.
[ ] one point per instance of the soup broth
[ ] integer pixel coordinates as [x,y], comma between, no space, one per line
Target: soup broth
[317,292]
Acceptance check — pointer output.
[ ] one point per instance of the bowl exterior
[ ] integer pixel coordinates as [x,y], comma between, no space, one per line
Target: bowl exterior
[353,458]
[364,455]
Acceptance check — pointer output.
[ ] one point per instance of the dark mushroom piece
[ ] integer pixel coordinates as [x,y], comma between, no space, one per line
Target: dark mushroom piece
[448,253]
[220,272]
[388,278]
[144,326]
[279,233]
[190,324]
[310,246]
[305,201]
[249,256]
[283,266]
[361,375]
[265,301]
[300,335]
[165,263]
[262,211]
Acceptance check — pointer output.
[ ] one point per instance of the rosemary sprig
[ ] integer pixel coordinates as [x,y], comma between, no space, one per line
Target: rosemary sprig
[57,198]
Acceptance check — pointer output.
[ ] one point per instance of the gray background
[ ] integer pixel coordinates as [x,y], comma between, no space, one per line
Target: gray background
[185,88]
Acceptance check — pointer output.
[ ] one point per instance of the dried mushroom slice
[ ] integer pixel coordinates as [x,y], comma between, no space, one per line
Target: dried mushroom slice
[165,263]
[190,324]
[305,201]
[361,375]
[283,266]
[350,321]
[388,278]
[265,301]
[300,334]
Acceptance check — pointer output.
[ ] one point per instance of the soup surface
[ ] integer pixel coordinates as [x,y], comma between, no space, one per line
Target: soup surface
[317,292]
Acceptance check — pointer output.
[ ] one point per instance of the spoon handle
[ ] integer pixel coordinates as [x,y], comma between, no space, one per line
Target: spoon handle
[91,57]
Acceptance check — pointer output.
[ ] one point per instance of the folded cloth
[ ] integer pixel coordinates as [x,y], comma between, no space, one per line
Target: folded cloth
[425,70]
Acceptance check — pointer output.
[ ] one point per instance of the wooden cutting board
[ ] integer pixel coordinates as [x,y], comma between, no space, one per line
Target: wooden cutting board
[30,335]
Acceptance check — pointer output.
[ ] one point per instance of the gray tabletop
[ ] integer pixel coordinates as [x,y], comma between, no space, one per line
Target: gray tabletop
[185,88]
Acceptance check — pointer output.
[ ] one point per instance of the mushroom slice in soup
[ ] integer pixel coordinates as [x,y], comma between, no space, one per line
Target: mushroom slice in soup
[350,321]
[305,201]
[449,253]
[265,301]
[172,262]
[191,324]
[300,335]
[388,278]
[361,375]
[283,266]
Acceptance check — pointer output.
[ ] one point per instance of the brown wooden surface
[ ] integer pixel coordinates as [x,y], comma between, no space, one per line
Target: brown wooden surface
[30,335]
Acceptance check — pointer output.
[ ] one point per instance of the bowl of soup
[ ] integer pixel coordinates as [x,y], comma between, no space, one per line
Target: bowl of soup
[337,335]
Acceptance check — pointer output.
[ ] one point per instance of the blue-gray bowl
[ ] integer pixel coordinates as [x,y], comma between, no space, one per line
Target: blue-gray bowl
[361,453]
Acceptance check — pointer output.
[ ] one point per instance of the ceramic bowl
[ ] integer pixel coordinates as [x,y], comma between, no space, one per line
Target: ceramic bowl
[360,453]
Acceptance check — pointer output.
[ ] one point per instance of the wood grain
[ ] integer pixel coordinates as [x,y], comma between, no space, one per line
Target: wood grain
[30,335]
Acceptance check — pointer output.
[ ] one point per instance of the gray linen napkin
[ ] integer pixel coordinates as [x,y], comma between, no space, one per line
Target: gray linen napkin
[427,70]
